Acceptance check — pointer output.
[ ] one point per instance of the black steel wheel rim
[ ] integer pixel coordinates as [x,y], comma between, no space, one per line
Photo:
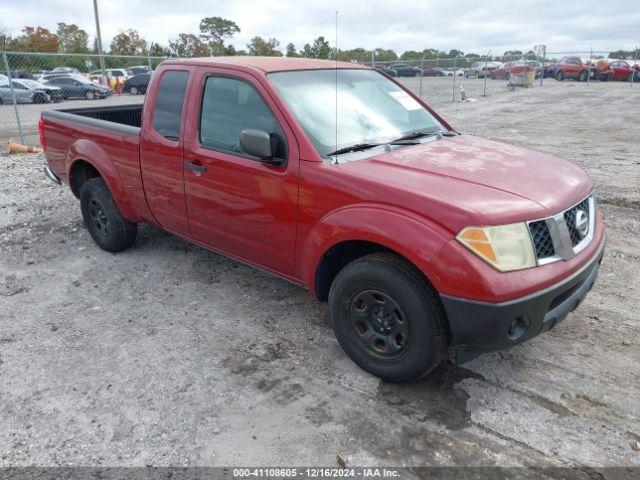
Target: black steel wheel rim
[99,219]
[378,324]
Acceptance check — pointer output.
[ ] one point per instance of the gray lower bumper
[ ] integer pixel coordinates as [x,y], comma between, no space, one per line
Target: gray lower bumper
[478,327]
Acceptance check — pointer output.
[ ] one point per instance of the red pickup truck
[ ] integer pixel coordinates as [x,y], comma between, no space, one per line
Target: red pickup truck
[423,241]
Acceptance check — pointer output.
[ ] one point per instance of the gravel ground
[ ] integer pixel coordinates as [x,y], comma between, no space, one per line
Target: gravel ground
[168,354]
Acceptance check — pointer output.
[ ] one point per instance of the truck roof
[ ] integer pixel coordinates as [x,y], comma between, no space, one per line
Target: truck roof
[266,64]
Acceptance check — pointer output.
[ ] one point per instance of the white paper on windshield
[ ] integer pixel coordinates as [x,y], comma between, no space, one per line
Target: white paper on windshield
[404,99]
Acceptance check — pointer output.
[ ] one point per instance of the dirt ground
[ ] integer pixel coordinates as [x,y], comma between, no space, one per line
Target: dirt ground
[168,354]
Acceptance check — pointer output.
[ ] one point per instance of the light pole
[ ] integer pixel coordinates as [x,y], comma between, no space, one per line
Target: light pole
[99,42]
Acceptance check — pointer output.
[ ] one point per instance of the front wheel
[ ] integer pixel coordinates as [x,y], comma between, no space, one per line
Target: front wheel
[108,228]
[89,95]
[387,318]
[134,90]
[583,76]
[560,76]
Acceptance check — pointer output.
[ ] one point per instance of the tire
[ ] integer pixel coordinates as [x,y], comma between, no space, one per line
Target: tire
[583,76]
[507,76]
[559,75]
[387,318]
[106,225]
[1,101]
[630,77]
[493,76]
[133,90]
[89,95]
[40,98]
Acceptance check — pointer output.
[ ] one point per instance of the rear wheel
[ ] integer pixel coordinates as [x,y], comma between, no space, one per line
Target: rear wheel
[89,95]
[583,76]
[134,90]
[387,318]
[108,228]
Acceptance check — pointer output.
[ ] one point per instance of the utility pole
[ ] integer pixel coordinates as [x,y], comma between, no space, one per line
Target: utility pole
[99,42]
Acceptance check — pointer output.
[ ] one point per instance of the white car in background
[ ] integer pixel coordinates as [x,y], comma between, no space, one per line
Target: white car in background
[481,69]
[4,80]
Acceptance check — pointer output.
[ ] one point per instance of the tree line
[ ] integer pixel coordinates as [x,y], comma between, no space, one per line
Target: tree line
[213,39]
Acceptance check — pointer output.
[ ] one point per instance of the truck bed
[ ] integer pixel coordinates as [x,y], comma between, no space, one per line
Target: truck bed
[122,118]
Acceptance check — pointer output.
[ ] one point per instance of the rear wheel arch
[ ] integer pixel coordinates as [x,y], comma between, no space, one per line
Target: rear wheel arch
[81,171]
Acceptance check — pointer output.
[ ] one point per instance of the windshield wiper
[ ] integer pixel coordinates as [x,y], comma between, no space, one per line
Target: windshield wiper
[354,148]
[358,147]
[425,133]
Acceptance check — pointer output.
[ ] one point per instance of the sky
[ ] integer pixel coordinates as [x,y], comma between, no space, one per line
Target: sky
[473,26]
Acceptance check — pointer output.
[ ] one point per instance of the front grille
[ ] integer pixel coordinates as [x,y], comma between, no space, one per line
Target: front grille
[559,237]
[541,239]
[570,219]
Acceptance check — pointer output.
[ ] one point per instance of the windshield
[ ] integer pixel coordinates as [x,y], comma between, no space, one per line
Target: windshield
[371,108]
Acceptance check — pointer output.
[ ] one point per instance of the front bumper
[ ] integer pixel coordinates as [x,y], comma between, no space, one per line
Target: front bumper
[478,327]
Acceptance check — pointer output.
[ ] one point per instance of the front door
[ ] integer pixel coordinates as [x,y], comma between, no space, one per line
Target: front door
[237,204]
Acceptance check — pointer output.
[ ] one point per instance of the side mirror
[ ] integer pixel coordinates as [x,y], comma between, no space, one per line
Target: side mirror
[257,143]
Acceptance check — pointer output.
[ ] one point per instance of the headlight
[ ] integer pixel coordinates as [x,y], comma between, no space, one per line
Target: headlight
[506,248]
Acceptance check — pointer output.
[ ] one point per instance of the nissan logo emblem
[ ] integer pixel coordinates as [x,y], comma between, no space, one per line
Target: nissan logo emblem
[582,223]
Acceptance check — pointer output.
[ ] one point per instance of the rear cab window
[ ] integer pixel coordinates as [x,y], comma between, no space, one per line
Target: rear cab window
[167,115]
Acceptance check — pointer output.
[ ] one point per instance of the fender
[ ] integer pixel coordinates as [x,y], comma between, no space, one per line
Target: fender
[404,232]
[92,153]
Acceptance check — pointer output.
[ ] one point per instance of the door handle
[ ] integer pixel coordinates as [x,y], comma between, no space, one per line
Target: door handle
[196,167]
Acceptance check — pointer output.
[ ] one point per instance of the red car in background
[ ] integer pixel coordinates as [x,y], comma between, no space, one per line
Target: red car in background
[573,67]
[511,68]
[616,70]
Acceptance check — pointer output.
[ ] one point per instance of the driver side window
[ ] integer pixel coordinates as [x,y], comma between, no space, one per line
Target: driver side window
[229,106]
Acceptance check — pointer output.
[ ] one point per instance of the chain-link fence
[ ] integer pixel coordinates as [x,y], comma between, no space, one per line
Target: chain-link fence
[33,82]
[442,80]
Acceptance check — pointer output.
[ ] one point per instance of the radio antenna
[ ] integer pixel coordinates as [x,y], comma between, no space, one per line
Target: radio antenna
[336,59]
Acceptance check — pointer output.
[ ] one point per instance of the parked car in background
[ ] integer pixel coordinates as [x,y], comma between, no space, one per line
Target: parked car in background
[481,69]
[75,86]
[29,91]
[550,70]
[22,74]
[537,66]
[137,70]
[512,68]
[431,72]
[616,70]
[137,84]
[4,80]
[572,67]
[403,70]
[66,70]
[450,72]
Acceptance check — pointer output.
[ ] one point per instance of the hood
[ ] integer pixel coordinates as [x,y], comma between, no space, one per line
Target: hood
[491,181]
